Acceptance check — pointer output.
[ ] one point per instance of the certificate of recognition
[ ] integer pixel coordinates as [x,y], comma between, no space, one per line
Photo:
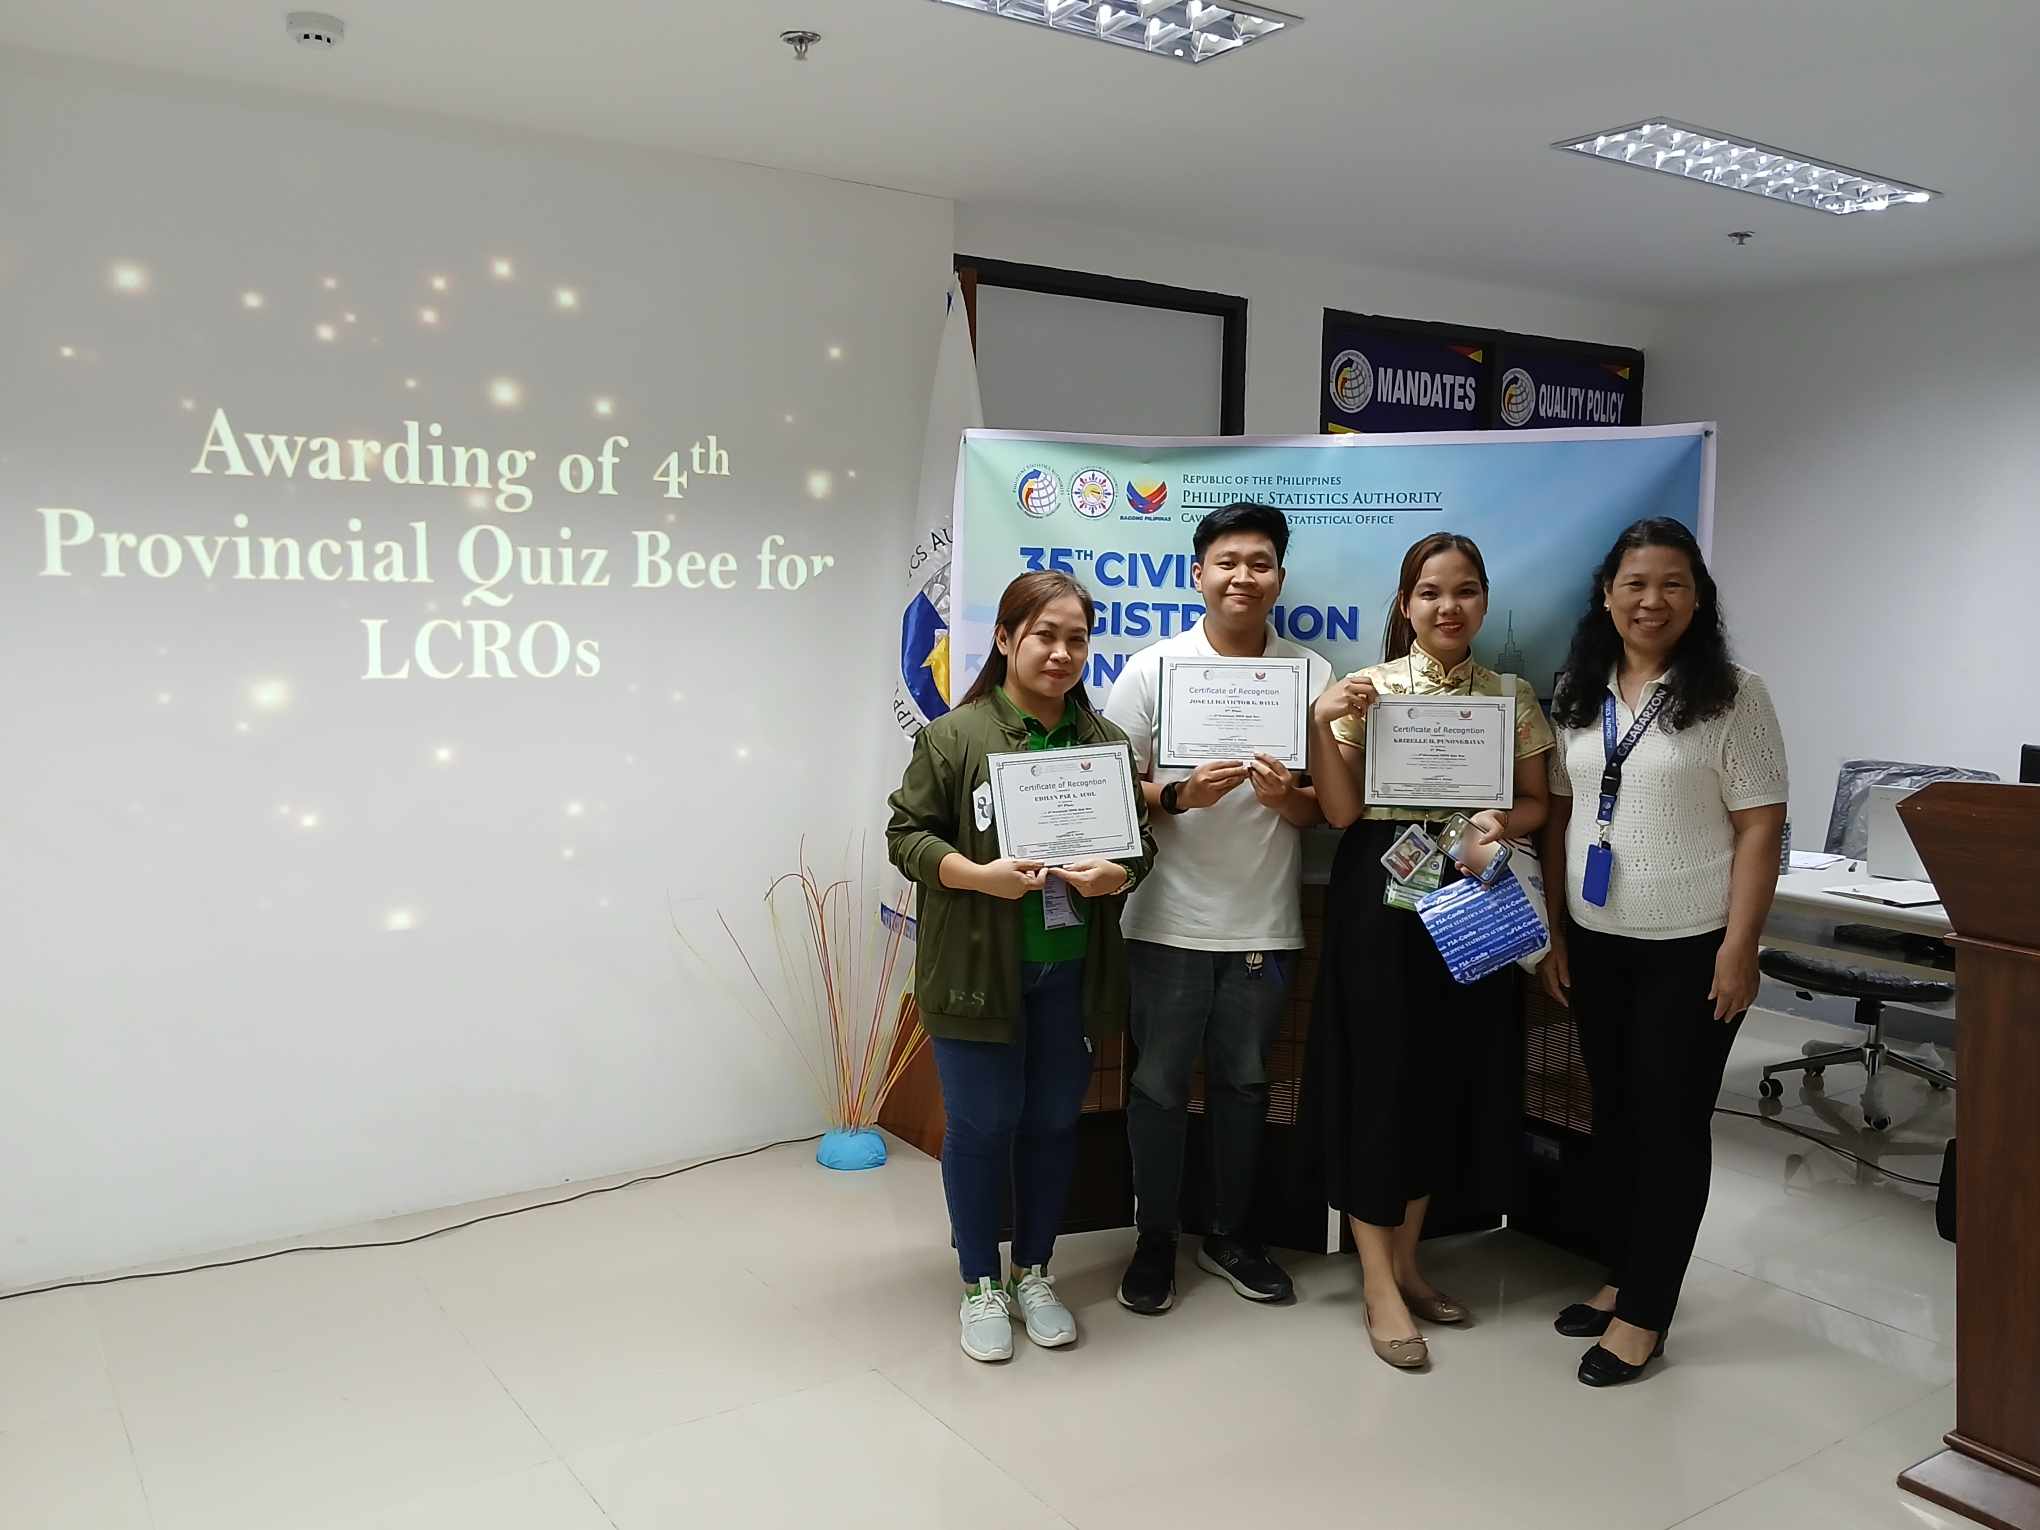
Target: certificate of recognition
[1442,751]
[1063,805]
[1233,709]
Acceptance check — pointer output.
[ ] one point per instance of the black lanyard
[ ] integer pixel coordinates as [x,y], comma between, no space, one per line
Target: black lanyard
[1618,754]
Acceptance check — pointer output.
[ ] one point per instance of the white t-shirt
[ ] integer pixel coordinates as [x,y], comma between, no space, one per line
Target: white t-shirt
[1226,877]
[1671,835]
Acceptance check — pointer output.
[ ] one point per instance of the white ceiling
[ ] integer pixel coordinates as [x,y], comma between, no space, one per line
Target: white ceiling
[1407,134]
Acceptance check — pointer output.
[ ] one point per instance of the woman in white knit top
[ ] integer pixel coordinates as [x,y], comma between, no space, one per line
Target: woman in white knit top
[1670,852]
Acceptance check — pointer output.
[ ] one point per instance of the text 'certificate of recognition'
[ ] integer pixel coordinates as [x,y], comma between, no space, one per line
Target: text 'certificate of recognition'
[1234,709]
[1063,805]
[1442,751]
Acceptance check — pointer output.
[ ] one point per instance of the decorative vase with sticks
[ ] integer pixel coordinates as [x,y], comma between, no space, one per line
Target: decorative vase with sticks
[841,999]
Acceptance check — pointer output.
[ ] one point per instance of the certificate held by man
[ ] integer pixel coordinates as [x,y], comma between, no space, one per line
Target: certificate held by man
[1233,709]
[1442,751]
[1062,805]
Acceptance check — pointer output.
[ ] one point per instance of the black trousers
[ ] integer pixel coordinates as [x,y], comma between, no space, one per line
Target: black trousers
[1655,1054]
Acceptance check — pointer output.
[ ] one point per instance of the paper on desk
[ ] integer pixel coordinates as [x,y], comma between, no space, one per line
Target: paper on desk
[1896,894]
[1814,860]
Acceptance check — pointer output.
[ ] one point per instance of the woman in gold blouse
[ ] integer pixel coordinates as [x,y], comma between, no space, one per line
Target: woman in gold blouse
[1398,1050]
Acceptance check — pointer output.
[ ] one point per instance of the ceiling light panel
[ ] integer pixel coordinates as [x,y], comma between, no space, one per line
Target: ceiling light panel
[1741,164]
[1186,30]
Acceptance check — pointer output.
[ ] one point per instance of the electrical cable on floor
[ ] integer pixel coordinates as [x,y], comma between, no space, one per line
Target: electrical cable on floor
[1856,1158]
[642,1179]
[335,1248]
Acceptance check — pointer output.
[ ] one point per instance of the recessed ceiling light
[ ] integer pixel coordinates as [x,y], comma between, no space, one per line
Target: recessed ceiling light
[1189,30]
[1741,164]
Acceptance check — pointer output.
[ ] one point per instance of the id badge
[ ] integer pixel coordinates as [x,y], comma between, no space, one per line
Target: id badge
[1059,909]
[1404,895]
[1600,867]
[1412,851]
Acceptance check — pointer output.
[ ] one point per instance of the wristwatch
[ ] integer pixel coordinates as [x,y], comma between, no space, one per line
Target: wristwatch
[1169,803]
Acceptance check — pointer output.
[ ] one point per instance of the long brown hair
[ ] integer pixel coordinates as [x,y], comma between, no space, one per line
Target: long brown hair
[1398,636]
[1025,599]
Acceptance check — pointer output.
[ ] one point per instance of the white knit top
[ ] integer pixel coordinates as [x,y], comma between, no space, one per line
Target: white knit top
[1671,835]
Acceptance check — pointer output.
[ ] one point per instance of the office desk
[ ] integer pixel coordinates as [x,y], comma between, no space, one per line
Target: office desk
[1807,910]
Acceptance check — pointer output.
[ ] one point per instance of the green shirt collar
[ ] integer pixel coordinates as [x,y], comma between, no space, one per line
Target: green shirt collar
[1064,730]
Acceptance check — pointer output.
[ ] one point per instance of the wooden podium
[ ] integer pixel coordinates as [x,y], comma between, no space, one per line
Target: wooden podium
[1981,846]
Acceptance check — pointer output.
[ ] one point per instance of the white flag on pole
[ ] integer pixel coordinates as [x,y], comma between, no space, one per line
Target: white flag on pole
[923,690]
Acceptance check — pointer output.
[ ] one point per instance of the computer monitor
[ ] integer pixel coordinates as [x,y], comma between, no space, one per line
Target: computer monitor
[2029,764]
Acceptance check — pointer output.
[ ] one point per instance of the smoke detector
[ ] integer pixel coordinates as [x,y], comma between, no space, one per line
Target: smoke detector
[314,29]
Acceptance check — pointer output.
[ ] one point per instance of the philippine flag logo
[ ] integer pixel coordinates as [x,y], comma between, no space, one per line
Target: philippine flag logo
[1147,498]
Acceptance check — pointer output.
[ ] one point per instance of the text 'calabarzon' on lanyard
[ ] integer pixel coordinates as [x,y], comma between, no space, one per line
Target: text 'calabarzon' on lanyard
[1601,859]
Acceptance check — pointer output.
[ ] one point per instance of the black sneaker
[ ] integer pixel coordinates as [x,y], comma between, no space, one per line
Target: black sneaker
[1247,1266]
[1149,1284]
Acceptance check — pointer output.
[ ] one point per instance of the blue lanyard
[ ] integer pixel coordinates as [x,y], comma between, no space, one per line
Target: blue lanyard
[1618,754]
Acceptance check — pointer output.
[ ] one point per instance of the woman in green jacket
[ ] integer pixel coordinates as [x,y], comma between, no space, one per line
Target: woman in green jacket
[1013,992]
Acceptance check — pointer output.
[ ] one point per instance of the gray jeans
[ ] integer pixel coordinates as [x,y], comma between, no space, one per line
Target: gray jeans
[1226,1005]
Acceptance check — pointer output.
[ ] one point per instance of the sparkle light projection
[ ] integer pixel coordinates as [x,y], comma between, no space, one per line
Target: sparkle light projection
[261,701]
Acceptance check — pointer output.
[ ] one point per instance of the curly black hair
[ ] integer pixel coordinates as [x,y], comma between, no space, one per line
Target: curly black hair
[1704,673]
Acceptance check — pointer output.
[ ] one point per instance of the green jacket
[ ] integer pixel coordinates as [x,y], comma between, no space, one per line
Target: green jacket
[967,952]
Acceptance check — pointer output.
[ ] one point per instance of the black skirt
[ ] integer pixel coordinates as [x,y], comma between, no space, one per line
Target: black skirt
[1405,1072]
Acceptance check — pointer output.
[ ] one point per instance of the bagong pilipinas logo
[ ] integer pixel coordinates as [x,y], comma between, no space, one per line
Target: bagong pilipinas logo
[1147,498]
[1092,492]
[1085,764]
[1352,381]
[1519,397]
[1466,714]
[1038,490]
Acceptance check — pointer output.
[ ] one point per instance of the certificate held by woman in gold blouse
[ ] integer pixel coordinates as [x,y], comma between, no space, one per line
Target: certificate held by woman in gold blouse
[1442,751]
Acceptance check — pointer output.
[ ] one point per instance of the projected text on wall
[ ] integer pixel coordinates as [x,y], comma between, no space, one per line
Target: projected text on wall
[499,575]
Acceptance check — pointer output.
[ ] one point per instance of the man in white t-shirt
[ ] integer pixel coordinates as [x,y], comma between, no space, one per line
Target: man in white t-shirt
[1214,930]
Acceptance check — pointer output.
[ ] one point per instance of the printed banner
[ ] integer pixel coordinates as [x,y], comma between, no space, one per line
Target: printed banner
[1119,514]
[1387,380]
[1546,388]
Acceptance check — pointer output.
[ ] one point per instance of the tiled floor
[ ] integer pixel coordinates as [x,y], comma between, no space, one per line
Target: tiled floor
[765,1343]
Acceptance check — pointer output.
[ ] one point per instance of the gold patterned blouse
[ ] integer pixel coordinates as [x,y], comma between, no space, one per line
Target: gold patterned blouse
[1419,674]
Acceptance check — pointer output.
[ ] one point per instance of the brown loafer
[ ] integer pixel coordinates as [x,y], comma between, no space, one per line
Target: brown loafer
[1436,1309]
[1404,1354]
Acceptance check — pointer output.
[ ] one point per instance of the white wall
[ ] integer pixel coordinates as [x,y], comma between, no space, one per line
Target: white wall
[1287,296]
[1877,518]
[272,962]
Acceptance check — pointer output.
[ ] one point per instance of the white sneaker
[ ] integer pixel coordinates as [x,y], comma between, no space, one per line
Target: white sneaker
[1049,1322]
[987,1321]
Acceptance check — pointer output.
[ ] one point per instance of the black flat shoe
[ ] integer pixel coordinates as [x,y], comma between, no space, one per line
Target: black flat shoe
[1604,1368]
[1579,1321]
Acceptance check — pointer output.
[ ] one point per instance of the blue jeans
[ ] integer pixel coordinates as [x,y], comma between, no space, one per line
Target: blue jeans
[1012,1111]
[1227,1006]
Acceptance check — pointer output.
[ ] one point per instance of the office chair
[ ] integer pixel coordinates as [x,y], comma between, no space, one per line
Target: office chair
[1871,989]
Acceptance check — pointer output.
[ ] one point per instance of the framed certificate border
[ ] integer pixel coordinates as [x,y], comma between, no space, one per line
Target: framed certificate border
[1493,787]
[1117,839]
[1169,748]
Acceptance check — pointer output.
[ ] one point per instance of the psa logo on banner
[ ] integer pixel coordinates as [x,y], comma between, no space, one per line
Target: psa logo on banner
[1519,397]
[1352,381]
[1092,492]
[1147,498]
[1038,490]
